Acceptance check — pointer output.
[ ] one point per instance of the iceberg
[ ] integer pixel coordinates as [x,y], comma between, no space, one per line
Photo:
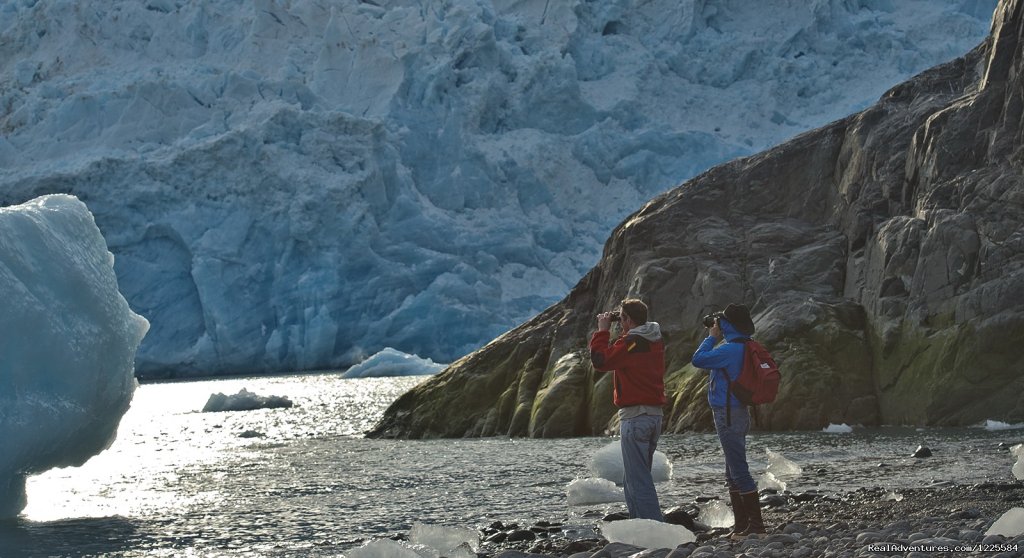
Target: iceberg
[244,400]
[995,425]
[68,342]
[391,362]
[838,429]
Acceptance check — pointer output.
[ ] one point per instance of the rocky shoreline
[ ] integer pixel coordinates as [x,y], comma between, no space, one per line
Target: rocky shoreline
[940,520]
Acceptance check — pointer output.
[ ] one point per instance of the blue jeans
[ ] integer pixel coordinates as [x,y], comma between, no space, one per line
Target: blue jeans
[639,440]
[734,445]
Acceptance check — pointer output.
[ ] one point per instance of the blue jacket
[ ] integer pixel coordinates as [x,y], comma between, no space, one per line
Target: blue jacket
[727,356]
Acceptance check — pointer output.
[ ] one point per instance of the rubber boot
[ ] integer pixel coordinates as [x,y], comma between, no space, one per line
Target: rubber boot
[739,512]
[755,524]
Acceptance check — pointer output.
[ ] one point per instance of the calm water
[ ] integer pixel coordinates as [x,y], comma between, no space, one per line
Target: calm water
[179,482]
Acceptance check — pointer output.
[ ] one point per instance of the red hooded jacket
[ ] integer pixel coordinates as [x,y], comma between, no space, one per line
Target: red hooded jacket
[638,362]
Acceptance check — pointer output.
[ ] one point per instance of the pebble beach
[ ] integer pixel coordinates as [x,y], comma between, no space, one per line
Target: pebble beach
[940,520]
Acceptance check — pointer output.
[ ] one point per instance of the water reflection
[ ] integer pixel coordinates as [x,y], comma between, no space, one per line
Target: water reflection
[94,536]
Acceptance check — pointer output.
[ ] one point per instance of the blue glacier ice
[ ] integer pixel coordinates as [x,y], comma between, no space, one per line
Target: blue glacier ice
[67,343]
[293,184]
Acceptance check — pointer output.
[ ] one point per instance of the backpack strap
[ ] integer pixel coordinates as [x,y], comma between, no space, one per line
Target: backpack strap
[728,397]
[728,383]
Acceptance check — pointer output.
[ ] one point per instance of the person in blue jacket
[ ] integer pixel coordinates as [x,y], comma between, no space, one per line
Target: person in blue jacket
[732,419]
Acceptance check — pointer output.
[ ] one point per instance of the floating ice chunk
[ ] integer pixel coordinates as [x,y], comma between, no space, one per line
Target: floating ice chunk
[838,429]
[769,480]
[383,548]
[582,492]
[68,360]
[244,400]
[607,464]
[390,362]
[782,467]
[446,540]
[1010,524]
[1017,450]
[893,496]
[716,514]
[646,533]
[993,425]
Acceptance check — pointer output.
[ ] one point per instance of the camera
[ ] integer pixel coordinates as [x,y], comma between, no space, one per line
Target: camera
[613,316]
[709,320]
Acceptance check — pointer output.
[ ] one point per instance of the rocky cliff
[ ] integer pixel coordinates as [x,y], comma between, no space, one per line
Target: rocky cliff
[882,255]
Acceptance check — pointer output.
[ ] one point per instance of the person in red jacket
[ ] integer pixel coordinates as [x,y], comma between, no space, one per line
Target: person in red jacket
[637,361]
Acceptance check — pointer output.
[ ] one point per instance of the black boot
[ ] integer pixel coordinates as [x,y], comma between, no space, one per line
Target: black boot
[755,524]
[739,512]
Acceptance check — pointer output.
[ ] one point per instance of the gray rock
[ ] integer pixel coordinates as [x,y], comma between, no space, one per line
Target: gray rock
[795,528]
[802,552]
[684,551]
[617,550]
[868,537]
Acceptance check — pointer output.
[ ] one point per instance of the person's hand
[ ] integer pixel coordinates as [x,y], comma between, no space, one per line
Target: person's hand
[715,331]
[604,321]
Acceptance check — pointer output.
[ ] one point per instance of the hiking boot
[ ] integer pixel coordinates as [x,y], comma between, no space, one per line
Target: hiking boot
[752,509]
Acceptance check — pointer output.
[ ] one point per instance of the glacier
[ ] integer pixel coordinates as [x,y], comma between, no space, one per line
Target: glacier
[294,185]
[67,343]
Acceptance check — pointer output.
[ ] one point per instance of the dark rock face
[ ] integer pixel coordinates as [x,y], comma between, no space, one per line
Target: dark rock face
[882,256]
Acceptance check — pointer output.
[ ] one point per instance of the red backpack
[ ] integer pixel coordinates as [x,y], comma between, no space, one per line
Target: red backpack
[758,381]
[759,378]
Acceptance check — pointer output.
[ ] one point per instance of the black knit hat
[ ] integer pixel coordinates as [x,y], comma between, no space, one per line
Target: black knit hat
[739,316]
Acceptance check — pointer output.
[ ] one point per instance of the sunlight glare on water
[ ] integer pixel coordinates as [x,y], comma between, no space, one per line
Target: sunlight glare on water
[164,434]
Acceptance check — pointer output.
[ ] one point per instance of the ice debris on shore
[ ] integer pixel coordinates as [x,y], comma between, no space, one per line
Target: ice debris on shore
[838,429]
[607,464]
[244,400]
[1018,467]
[583,492]
[424,540]
[780,466]
[646,533]
[779,471]
[1010,524]
[716,514]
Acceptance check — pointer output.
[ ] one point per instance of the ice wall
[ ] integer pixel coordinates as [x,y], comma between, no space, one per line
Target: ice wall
[290,184]
[67,343]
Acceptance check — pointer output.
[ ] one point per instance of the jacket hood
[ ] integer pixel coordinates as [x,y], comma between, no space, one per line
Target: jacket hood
[729,331]
[650,331]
